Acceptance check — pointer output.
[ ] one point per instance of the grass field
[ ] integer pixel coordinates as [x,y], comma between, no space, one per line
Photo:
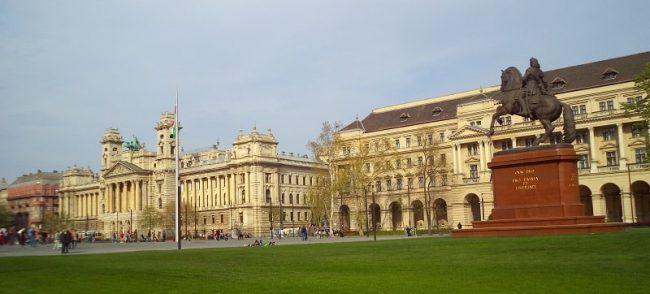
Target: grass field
[597,263]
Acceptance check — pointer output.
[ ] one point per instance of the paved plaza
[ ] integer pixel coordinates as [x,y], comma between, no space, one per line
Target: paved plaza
[108,247]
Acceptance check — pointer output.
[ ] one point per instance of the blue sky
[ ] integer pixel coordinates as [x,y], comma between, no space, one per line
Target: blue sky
[71,69]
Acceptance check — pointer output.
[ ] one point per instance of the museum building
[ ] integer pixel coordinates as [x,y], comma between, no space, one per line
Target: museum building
[250,187]
[614,175]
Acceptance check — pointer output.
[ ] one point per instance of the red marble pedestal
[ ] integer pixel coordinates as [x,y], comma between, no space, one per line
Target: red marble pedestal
[536,192]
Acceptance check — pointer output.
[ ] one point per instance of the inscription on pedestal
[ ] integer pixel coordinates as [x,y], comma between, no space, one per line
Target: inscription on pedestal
[525,179]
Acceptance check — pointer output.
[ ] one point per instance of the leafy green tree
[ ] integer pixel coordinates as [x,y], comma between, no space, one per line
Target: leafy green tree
[150,219]
[641,106]
[6,217]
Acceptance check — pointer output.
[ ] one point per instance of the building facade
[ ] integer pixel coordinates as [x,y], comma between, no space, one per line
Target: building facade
[614,173]
[249,187]
[33,198]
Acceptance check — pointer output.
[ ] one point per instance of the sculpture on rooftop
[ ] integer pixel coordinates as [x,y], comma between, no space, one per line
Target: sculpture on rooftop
[134,145]
[527,96]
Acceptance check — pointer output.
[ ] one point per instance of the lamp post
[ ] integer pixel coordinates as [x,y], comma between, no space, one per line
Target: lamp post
[130,220]
[374,221]
[365,200]
[292,224]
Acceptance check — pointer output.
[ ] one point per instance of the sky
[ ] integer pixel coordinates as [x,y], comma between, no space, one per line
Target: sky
[71,69]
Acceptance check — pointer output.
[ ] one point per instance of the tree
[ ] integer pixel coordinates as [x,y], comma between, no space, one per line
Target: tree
[6,217]
[359,168]
[431,164]
[54,222]
[641,105]
[150,219]
[324,149]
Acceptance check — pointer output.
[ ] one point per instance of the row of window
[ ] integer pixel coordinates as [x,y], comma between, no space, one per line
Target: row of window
[604,105]
[408,162]
[611,158]
[388,185]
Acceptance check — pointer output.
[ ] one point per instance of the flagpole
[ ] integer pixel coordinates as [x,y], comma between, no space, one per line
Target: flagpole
[178,187]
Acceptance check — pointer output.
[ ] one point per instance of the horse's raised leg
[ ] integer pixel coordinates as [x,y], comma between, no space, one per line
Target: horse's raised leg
[548,130]
[496,117]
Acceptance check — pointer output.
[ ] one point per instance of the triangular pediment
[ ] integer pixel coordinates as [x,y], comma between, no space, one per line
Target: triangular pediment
[472,159]
[122,168]
[468,132]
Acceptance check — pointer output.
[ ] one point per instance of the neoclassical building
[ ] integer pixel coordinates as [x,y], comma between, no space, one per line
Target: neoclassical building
[250,186]
[614,178]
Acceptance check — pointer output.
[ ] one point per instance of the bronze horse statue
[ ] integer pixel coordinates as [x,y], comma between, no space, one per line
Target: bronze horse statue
[543,107]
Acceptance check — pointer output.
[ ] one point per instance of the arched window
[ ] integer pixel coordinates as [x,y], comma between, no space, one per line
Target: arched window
[243,196]
[159,203]
[297,198]
[290,198]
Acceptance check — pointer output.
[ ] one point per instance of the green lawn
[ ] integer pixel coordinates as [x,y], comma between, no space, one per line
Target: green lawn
[597,263]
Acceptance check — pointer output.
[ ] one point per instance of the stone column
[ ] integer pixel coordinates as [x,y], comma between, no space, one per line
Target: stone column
[481,156]
[119,187]
[454,155]
[627,202]
[138,196]
[621,147]
[592,151]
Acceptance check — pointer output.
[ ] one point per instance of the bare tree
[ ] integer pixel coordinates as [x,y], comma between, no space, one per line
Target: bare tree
[150,218]
[431,164]
[324,148]
[358,167]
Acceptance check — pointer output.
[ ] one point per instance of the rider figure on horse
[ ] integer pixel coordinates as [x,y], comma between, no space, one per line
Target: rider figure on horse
[533,84]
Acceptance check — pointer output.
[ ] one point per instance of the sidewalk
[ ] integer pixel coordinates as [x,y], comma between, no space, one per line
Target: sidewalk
[108,247]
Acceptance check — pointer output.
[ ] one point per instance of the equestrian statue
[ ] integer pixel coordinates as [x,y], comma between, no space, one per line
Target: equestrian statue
[527,96]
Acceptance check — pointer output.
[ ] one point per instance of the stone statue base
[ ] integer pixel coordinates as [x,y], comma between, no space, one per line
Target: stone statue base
[536,192]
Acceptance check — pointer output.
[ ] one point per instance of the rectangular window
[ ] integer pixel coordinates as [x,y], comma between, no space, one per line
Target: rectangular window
[609,134]
[397,143]
[583,162]
[506,145]
[611,158]
[378,186]
[410,183]
[408,142]
[399,183]
[409,163]
[529,142]
[367,167]
[267,177]
[472,149]
[473,171]
[606,105]
[443,159]
[398,164]
[419,138]
[221,218]
[419,160]
[430,139]
[441,136]
[582,138]
[282,179]
[637,130]
[443,180]
[389,185]
[640,155]
[420,182]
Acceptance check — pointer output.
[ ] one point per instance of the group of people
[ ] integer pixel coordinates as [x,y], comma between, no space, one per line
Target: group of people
[128,237]
[260,243]
[24,236]
[65,240]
